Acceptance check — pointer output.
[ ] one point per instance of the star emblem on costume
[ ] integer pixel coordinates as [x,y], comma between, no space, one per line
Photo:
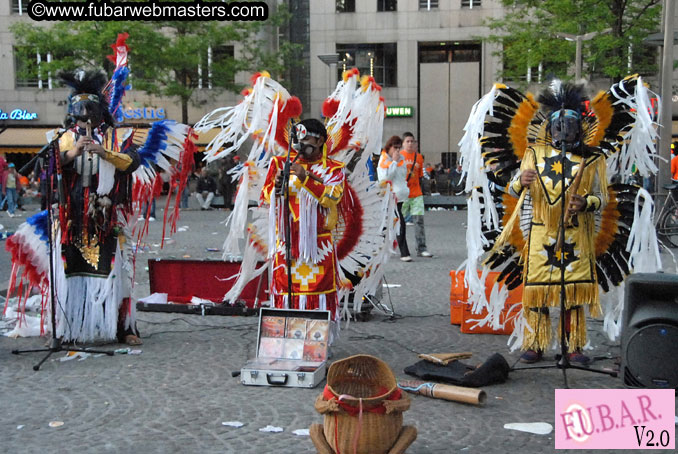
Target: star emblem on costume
[553,256]
[554,167]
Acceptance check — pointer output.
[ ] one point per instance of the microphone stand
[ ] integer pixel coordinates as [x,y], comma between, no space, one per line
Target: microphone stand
[286,211]
[563,362]
[26,168]
[68,123]
[55,344]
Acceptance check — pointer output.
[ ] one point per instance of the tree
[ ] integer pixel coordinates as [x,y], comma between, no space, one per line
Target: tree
[527,35]
[167,58]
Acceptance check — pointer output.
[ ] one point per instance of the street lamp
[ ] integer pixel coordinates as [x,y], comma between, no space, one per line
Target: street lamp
[329,60]
[578,39]
[666,39]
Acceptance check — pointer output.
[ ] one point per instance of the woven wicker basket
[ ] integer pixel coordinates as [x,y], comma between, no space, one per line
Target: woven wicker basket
[366,378]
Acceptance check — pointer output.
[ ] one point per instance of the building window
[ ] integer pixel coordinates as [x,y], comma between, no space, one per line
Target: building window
[387,5]
[428,5]
[376,60]
[346,6]
[214,60]
[449,52]
[470,3]
[19,7]
[28,66]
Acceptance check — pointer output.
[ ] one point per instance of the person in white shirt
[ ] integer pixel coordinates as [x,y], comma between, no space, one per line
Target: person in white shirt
[392,169]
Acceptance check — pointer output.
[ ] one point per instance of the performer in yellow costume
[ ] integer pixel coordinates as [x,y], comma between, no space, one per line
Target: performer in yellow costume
[525,161]
[543,170]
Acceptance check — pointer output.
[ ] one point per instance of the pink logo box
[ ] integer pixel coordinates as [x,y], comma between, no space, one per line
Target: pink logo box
[615,419]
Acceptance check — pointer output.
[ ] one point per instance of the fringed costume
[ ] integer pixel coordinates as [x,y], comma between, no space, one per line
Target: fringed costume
[514,229]
[95,240]
[313,207]
[98,192]
[542,262]
[342,227]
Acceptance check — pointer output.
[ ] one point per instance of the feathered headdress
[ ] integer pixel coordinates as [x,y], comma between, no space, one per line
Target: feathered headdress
[562,96]
[116,88]
[87,98]
[504,124]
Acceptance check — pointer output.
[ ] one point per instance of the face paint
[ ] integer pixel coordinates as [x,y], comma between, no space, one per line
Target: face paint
[307,149]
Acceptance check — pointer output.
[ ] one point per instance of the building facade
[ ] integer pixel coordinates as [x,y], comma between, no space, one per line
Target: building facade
[428,56]
[30,108]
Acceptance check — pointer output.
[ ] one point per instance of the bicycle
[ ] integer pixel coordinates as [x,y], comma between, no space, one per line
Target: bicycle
[667,220]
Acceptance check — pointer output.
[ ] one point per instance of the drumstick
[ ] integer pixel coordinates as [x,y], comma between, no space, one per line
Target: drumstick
[568,216]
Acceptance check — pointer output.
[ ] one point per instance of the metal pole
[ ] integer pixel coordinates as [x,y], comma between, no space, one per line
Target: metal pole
[578,40]
[577,65]
[665,118]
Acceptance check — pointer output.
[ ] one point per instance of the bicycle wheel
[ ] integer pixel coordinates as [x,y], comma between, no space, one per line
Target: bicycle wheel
[668,227]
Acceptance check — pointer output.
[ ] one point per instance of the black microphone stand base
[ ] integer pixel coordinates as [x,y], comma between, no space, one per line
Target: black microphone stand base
[563,363]
[56,346]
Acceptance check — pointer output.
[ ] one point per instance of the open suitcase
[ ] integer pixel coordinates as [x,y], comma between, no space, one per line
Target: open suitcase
[292,348]
[206,279]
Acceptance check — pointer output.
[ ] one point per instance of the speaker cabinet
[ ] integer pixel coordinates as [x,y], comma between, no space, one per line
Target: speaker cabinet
[649,344]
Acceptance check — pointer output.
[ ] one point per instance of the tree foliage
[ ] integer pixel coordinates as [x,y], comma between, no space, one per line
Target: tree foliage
[166,58]
[527,35]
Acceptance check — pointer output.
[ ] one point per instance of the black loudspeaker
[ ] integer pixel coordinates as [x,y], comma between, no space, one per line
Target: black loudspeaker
[649,343]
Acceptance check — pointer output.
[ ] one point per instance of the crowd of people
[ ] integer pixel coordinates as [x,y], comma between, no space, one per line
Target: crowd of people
[439,179]
[208,182]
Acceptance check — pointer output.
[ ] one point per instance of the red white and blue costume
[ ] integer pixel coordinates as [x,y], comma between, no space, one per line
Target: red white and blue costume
[92,254]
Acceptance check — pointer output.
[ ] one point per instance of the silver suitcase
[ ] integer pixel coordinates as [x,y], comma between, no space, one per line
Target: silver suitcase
[292,348]
[296,374]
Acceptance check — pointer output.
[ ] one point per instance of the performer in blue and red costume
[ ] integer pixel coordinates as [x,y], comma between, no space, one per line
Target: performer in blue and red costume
[98,171]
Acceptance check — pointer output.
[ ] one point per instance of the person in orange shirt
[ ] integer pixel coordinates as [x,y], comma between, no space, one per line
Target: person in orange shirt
[414,205]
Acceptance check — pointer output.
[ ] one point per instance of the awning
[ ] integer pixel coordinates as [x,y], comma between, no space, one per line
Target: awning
[23,140]
[26,149]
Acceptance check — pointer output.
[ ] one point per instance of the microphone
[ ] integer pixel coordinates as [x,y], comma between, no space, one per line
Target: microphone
[563,123]
[69,121]
[295,140]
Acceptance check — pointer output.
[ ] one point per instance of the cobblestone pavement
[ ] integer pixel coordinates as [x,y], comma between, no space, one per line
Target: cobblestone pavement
[175,395]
